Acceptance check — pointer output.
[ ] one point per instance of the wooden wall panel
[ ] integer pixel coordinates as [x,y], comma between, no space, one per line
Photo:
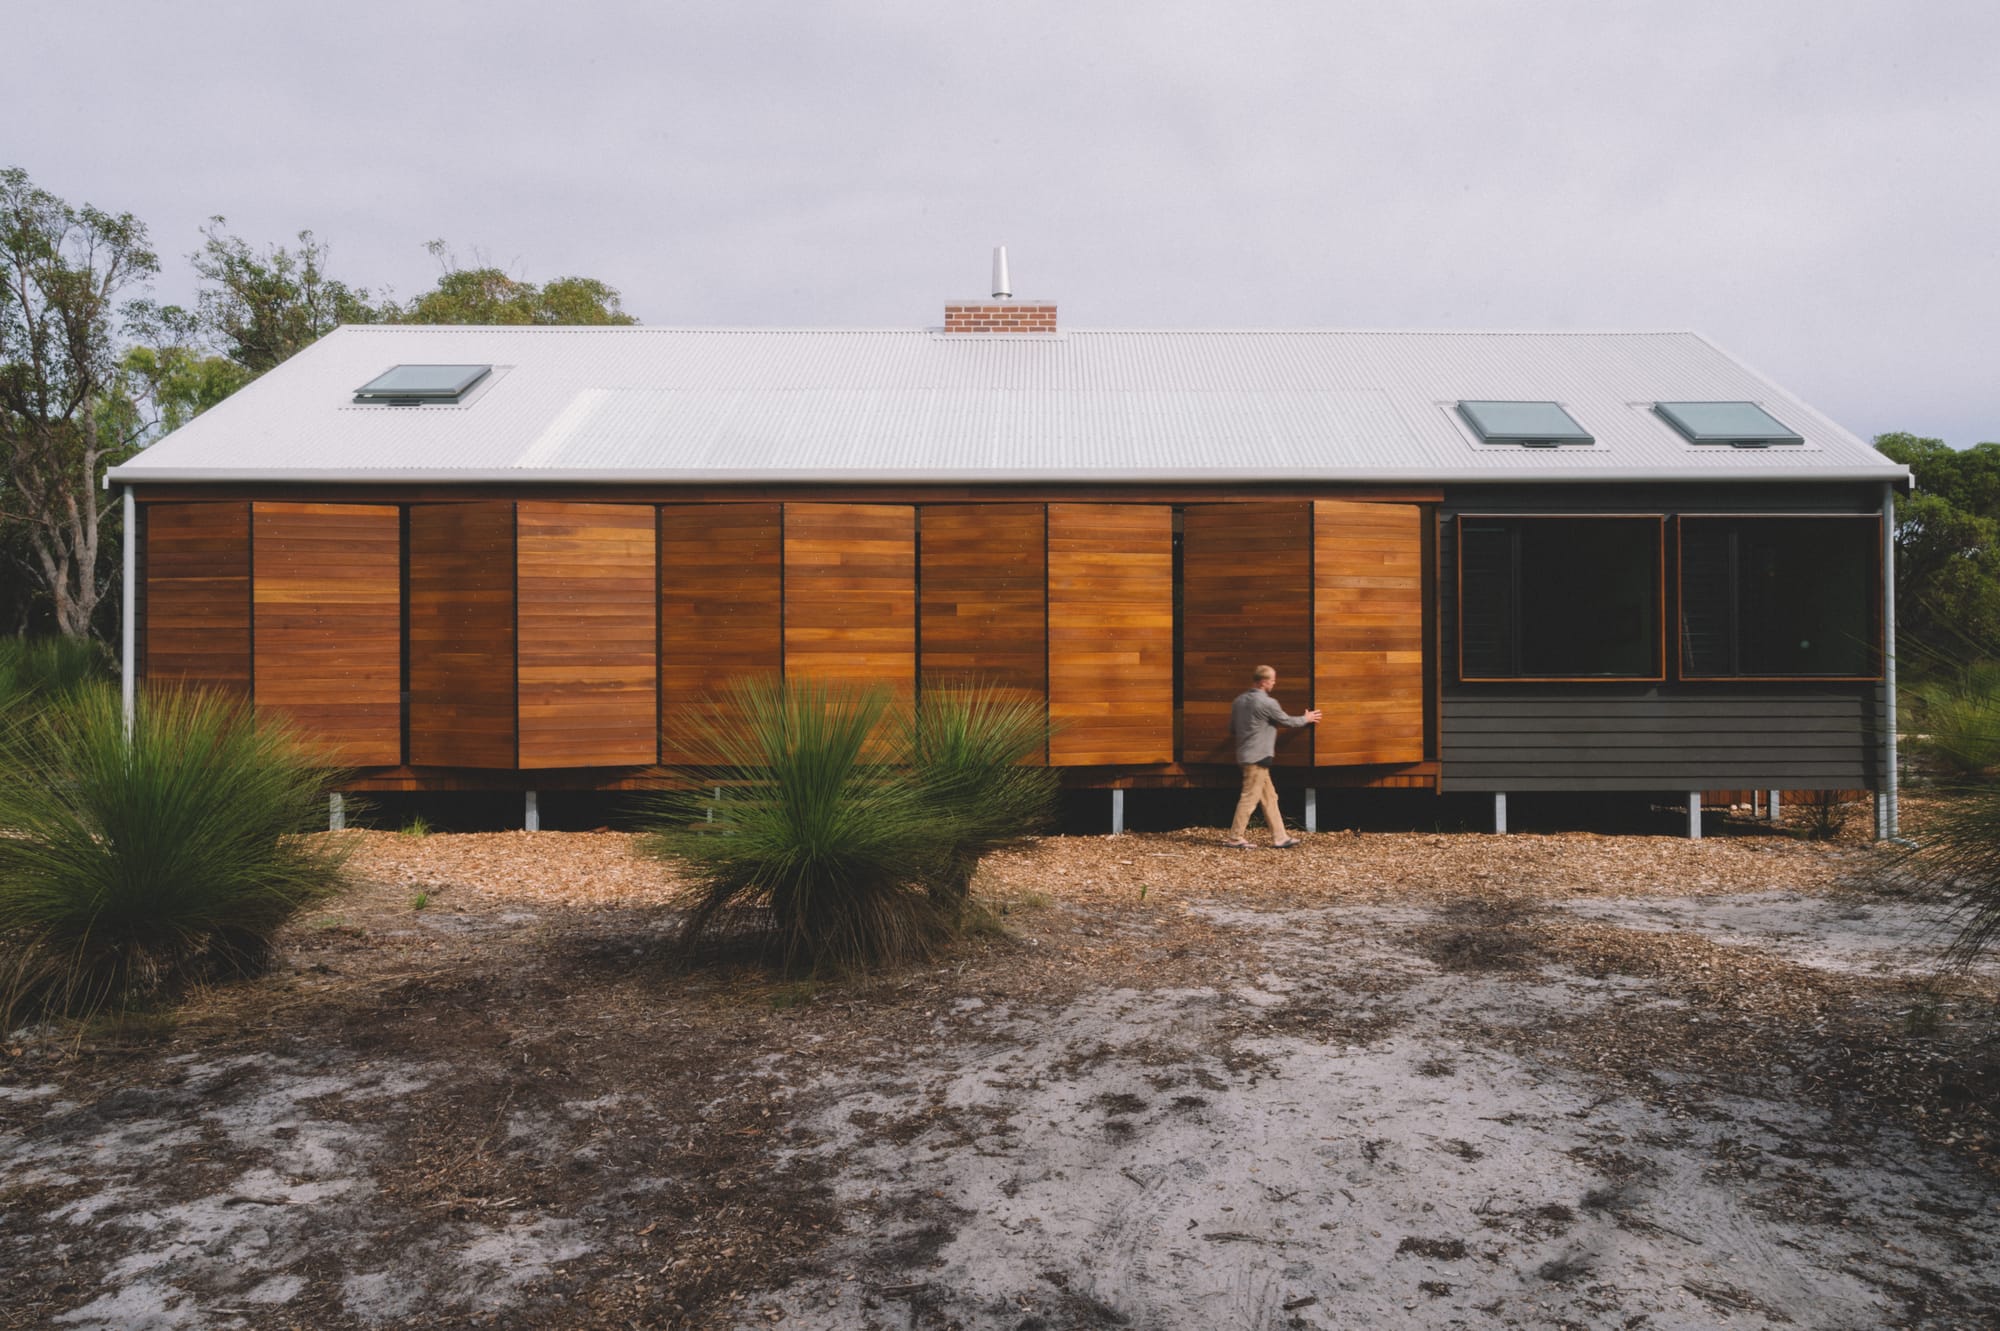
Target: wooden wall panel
[851,593]
[588,615]
[984,594]
[1111,634]
[721,615]
[1246,600]
[196,596]
[461,635]
[1368,632]
[328,625]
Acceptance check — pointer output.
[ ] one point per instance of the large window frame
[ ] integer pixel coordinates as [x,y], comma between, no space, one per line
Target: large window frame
[1659,634]
[1876,647]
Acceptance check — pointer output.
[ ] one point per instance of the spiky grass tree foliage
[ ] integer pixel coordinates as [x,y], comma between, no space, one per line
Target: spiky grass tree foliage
[817,829]
[965,749]
[127,867]
[1959,859]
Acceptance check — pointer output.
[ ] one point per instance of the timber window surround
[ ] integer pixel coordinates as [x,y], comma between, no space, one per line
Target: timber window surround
[1768,596]
[1546,597]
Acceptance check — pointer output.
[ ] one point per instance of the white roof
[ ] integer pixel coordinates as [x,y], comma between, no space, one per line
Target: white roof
[707,404]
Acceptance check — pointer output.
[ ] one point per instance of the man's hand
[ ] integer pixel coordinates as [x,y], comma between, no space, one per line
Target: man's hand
[1312,717]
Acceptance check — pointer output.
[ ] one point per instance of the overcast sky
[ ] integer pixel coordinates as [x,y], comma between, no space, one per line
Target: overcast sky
[1812,185]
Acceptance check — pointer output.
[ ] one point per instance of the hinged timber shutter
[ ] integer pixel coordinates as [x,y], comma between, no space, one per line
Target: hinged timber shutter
[1368,632]
[1111,634]
[1246,601]
[722,619]
[462,680]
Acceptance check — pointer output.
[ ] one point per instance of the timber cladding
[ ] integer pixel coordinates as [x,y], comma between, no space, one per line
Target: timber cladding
[851,594]
[587,612]
[196,594]
[327,604]
[722,617]
[984,597]
[1368,628]
[1111,634]
[1246,601]
[461,635]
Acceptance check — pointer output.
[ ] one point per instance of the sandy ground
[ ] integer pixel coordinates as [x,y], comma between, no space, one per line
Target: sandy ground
[1406,1081]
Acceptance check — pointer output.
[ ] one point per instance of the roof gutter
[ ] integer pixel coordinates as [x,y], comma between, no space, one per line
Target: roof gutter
[1897,476]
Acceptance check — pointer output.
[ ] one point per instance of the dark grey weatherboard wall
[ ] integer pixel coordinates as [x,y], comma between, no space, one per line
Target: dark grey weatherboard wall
[1669,736]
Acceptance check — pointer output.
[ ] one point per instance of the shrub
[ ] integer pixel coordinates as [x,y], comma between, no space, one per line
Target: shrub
[1957,718]
[1825,813]
[36,671]
[833,847]
[126,868]
[965,748]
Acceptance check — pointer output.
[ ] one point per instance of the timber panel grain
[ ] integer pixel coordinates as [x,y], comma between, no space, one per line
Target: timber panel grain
[587,611]
[196,596]
[1246,601]
[721,616]
[327,597]
[984,597]
[1368,629]
[1111,634]
[461,635]
[851,594]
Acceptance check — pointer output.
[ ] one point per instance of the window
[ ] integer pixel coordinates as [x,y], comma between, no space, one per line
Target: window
[1524,424]
[413,385]
[1781,597]
[1735,424]
[1559,597]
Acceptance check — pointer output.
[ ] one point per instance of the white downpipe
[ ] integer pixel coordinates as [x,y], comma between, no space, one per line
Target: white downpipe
[128,616]
[1885,804]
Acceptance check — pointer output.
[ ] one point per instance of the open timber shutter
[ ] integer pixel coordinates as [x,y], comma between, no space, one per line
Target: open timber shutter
[327,601]
[587,608]
[722,619]
[462,672]
[1111,634]
[1368,630]
[1246,601]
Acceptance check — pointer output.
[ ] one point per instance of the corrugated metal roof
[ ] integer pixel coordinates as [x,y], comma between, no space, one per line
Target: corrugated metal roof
[671,404]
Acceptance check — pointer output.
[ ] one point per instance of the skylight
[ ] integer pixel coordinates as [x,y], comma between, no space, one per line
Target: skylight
[1524,424]
[1738,424]
[412,385]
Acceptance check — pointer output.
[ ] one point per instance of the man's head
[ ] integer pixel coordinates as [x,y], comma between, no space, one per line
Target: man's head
[1264,678]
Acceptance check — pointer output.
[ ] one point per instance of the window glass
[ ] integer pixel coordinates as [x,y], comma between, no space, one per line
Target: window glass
[1559,598]
[1780,596]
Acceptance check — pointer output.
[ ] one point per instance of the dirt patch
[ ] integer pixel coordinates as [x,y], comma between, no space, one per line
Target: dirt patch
[1385,1080]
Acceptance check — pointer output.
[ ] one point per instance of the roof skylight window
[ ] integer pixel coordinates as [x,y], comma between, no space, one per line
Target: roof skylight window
[414,385]
[1737,424]
[1525,424]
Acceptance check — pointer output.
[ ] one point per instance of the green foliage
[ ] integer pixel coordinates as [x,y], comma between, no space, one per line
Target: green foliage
[130,867]
[262,306]
[180,381]
[829,845]
[417,826]
[965,749]
[65,272]
[488,296]
[1954,717]
[1947,546]
[1959,859]
[34,672]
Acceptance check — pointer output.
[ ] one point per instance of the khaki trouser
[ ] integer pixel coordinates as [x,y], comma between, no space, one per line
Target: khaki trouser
[1257,789]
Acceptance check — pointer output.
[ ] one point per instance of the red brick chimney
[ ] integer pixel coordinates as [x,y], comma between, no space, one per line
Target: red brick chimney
[1001,314]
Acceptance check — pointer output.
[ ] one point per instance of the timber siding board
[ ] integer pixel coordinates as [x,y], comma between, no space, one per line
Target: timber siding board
[195,596]
[984,594]
[461,635]
[1246,600]
[588,632]
[1111,634]
[851,594]
[327,600]
[1368,628]
[721,617]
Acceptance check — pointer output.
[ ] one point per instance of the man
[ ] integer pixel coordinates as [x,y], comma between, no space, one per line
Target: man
[1254,719]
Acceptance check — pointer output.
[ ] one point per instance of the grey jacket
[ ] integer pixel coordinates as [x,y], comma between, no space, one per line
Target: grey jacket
[1254,719]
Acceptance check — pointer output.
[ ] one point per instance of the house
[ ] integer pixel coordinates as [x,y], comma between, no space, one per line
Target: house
[523,558]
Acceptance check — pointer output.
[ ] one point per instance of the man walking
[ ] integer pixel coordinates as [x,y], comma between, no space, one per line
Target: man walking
[1254,719]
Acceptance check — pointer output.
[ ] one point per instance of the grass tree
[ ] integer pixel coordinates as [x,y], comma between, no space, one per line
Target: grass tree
[129,867]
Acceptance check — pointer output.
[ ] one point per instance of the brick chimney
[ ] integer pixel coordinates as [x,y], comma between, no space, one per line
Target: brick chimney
[1001,314]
